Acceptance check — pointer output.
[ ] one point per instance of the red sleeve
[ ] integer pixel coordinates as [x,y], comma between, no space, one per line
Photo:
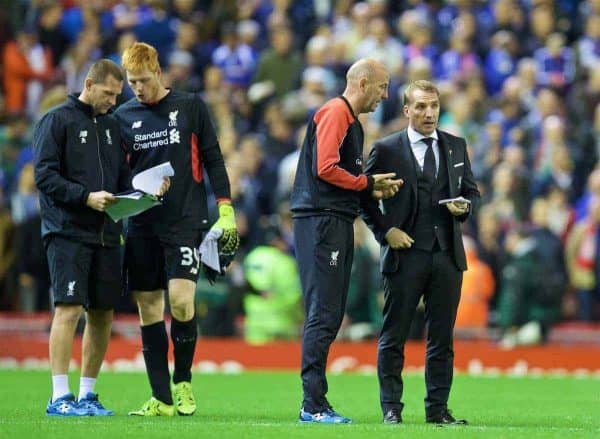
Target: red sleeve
[333,121]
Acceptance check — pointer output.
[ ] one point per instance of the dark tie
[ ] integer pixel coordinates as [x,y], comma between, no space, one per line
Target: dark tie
[429,166]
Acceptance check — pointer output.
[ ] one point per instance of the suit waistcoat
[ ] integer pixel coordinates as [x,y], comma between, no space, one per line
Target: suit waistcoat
[433,222]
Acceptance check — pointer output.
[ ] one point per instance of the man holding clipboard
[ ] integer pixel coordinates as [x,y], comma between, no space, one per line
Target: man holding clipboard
[422,250]
[79,165]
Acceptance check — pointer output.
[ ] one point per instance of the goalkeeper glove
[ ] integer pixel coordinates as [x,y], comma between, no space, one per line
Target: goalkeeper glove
[229,240]
[224,261]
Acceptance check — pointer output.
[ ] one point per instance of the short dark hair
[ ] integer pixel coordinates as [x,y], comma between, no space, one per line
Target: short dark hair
[420,84]
[104,68]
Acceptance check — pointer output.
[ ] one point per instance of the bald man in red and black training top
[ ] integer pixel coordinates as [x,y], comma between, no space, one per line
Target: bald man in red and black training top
[325,201]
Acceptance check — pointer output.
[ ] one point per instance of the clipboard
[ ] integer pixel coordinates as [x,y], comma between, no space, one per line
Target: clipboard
[140,199]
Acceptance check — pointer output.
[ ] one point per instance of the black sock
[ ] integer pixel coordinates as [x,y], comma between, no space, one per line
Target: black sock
[155,346]
[184,336]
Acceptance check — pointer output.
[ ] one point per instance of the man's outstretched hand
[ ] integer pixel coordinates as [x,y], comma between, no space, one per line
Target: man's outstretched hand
[385,186]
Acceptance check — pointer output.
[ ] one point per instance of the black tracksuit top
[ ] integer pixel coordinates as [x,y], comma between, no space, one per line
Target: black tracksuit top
[329,178]
[76,153]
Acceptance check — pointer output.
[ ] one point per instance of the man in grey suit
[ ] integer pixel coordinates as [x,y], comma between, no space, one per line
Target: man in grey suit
[422,252]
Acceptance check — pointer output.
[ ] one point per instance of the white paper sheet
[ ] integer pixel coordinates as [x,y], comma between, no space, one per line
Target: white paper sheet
[452,200]
[149,181]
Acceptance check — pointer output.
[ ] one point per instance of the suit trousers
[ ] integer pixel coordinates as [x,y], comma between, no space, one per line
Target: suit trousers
[324,251]
[434,275]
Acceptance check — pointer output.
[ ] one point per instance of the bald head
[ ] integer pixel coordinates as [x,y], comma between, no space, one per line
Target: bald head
[364,68]
[366,85]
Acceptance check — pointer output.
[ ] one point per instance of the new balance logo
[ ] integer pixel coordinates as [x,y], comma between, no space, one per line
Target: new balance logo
[71,288]
[136,124]
[83,136]
[174,136]
[334,258]
[173,118]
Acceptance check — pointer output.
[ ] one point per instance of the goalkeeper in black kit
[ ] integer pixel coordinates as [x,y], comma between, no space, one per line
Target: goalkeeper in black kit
[161,251]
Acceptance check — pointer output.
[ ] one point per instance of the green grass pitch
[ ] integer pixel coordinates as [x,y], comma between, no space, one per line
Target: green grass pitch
[265,405]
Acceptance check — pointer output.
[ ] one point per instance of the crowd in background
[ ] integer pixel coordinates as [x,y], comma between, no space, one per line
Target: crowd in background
[519,79]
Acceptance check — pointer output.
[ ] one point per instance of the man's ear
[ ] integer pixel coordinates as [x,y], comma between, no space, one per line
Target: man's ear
[362,83]
[88,84]
[405,110]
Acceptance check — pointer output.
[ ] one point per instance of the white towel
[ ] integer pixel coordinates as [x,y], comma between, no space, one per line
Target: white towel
[209,250]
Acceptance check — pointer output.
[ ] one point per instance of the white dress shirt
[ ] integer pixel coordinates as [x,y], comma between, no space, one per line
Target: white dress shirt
[419,147]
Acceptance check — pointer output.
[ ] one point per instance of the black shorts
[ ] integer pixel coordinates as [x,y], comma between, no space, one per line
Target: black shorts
[84,274]
[150,262]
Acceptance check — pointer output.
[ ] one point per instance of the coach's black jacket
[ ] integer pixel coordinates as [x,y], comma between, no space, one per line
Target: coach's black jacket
[75,154]
[393,154]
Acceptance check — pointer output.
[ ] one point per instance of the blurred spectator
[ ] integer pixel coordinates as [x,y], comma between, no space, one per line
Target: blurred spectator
[363,317]
[236,59]
[558,173]
[542,22]
[507,114]
[287,167]
[279,139]
[32,266]
[299,105]
[179,73]
[188,39]
[157,28]
[527,77]
[258,180]
[25,63]
[549,249]
[7,255]
[458,119]
[350,28]
[219,304]
[583,259]
[381,45]
[508,15]
[124,16]
[528,307]
[547,103]
[13,138]
[420,45]
[477,289]
[490,244]
[279,67]
[319,53]
[500,61]
[187,10]
[561,216]
[50,34]
[273,303]
[588,45]
[556,64]
[459,61]
[592,190]
[79,58]
[507,198]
